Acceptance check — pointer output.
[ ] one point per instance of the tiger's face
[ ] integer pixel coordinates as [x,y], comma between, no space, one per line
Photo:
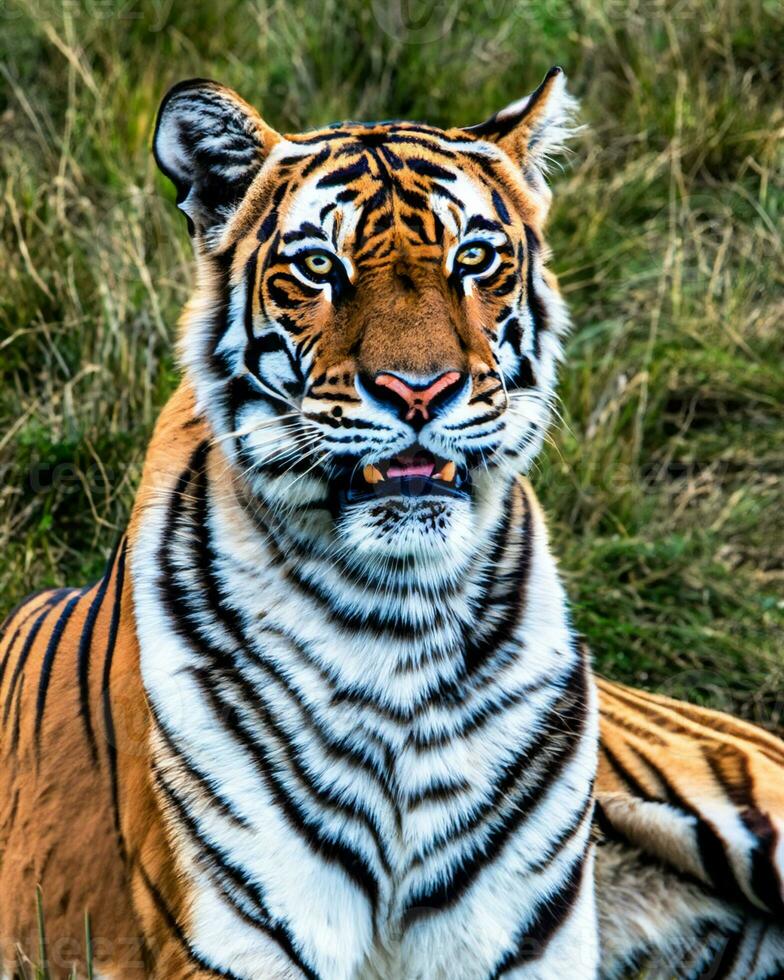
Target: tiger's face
[374,337]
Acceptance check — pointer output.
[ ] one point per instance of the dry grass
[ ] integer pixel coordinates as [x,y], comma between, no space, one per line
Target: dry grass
[664,481]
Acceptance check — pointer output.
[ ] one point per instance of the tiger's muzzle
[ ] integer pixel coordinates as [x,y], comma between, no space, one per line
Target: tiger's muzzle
[414,473]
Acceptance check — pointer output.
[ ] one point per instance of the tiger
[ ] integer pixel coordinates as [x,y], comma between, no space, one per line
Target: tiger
[326,713]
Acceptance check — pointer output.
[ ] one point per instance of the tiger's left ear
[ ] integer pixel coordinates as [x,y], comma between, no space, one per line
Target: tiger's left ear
[535,129]
[211,144]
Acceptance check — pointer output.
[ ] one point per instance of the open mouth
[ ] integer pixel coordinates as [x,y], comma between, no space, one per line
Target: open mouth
[414,473]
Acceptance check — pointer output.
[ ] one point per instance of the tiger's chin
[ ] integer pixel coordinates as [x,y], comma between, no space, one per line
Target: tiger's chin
[431,530]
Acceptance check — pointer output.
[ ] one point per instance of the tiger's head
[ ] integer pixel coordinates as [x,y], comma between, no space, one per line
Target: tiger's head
[374,335]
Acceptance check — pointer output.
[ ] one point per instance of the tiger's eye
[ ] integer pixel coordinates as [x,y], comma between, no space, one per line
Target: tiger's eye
[318,263]
[473,255]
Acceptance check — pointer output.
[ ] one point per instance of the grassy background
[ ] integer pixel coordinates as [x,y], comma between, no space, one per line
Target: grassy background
[664,480]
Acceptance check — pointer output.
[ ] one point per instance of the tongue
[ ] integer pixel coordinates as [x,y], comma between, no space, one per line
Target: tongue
[410,467]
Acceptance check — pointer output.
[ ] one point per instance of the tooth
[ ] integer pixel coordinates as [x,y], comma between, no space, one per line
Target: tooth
[447,472]
[372,475]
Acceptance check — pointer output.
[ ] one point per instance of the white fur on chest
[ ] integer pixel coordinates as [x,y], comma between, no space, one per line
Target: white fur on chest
[329,917]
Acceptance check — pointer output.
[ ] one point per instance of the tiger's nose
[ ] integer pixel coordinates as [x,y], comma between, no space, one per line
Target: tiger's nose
[415,401]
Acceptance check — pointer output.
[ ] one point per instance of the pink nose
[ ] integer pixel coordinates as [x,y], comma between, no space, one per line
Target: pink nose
[417,399]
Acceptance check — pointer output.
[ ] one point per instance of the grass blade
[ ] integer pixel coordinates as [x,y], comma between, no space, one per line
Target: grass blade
[88,945]
[42,970]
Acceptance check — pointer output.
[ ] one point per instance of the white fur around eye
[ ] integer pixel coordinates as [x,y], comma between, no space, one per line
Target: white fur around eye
[325,287]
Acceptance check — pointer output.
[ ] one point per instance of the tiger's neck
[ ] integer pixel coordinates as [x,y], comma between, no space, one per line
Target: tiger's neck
[404,632]
[347,720]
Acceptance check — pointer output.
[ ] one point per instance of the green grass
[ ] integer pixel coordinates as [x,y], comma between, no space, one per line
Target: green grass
[39,969]
[664,480]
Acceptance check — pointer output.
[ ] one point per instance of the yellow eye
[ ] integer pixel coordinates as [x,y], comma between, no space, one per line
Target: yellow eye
[474,256]
[319,263]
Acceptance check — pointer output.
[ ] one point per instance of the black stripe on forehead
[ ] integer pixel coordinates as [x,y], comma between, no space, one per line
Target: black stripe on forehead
[305,230]
[445,193]
[427,168]
[417,129]
[369,208]
[479,223]
[391,158]
[426,144]
[316,160]
[320,137]
[345,175]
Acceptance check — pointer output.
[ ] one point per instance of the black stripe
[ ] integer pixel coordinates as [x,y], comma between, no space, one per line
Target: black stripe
[549,916]
[176,930]
[47,604]
[500,207]
[632,728]
[765,877]
[711,846]
[316,160]
[478,222]
[391,158]
[345,175]
[84,654]
[370,207]
[427,168]
[24,654]
[414,223]
[535,304]
[319,136]
[205,784]
[439,791]
[440,191]
[722,967]
[432,144]
[560,735]
[271,215]
[507,285]
[108,720]
[476,719]
[240,880]
[46,665]
[17,716]
[482,643]
[626,776]
[557,844]
[414,199]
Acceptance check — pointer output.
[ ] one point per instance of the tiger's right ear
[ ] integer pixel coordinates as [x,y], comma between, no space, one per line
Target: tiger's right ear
[533,130]
[211,144]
